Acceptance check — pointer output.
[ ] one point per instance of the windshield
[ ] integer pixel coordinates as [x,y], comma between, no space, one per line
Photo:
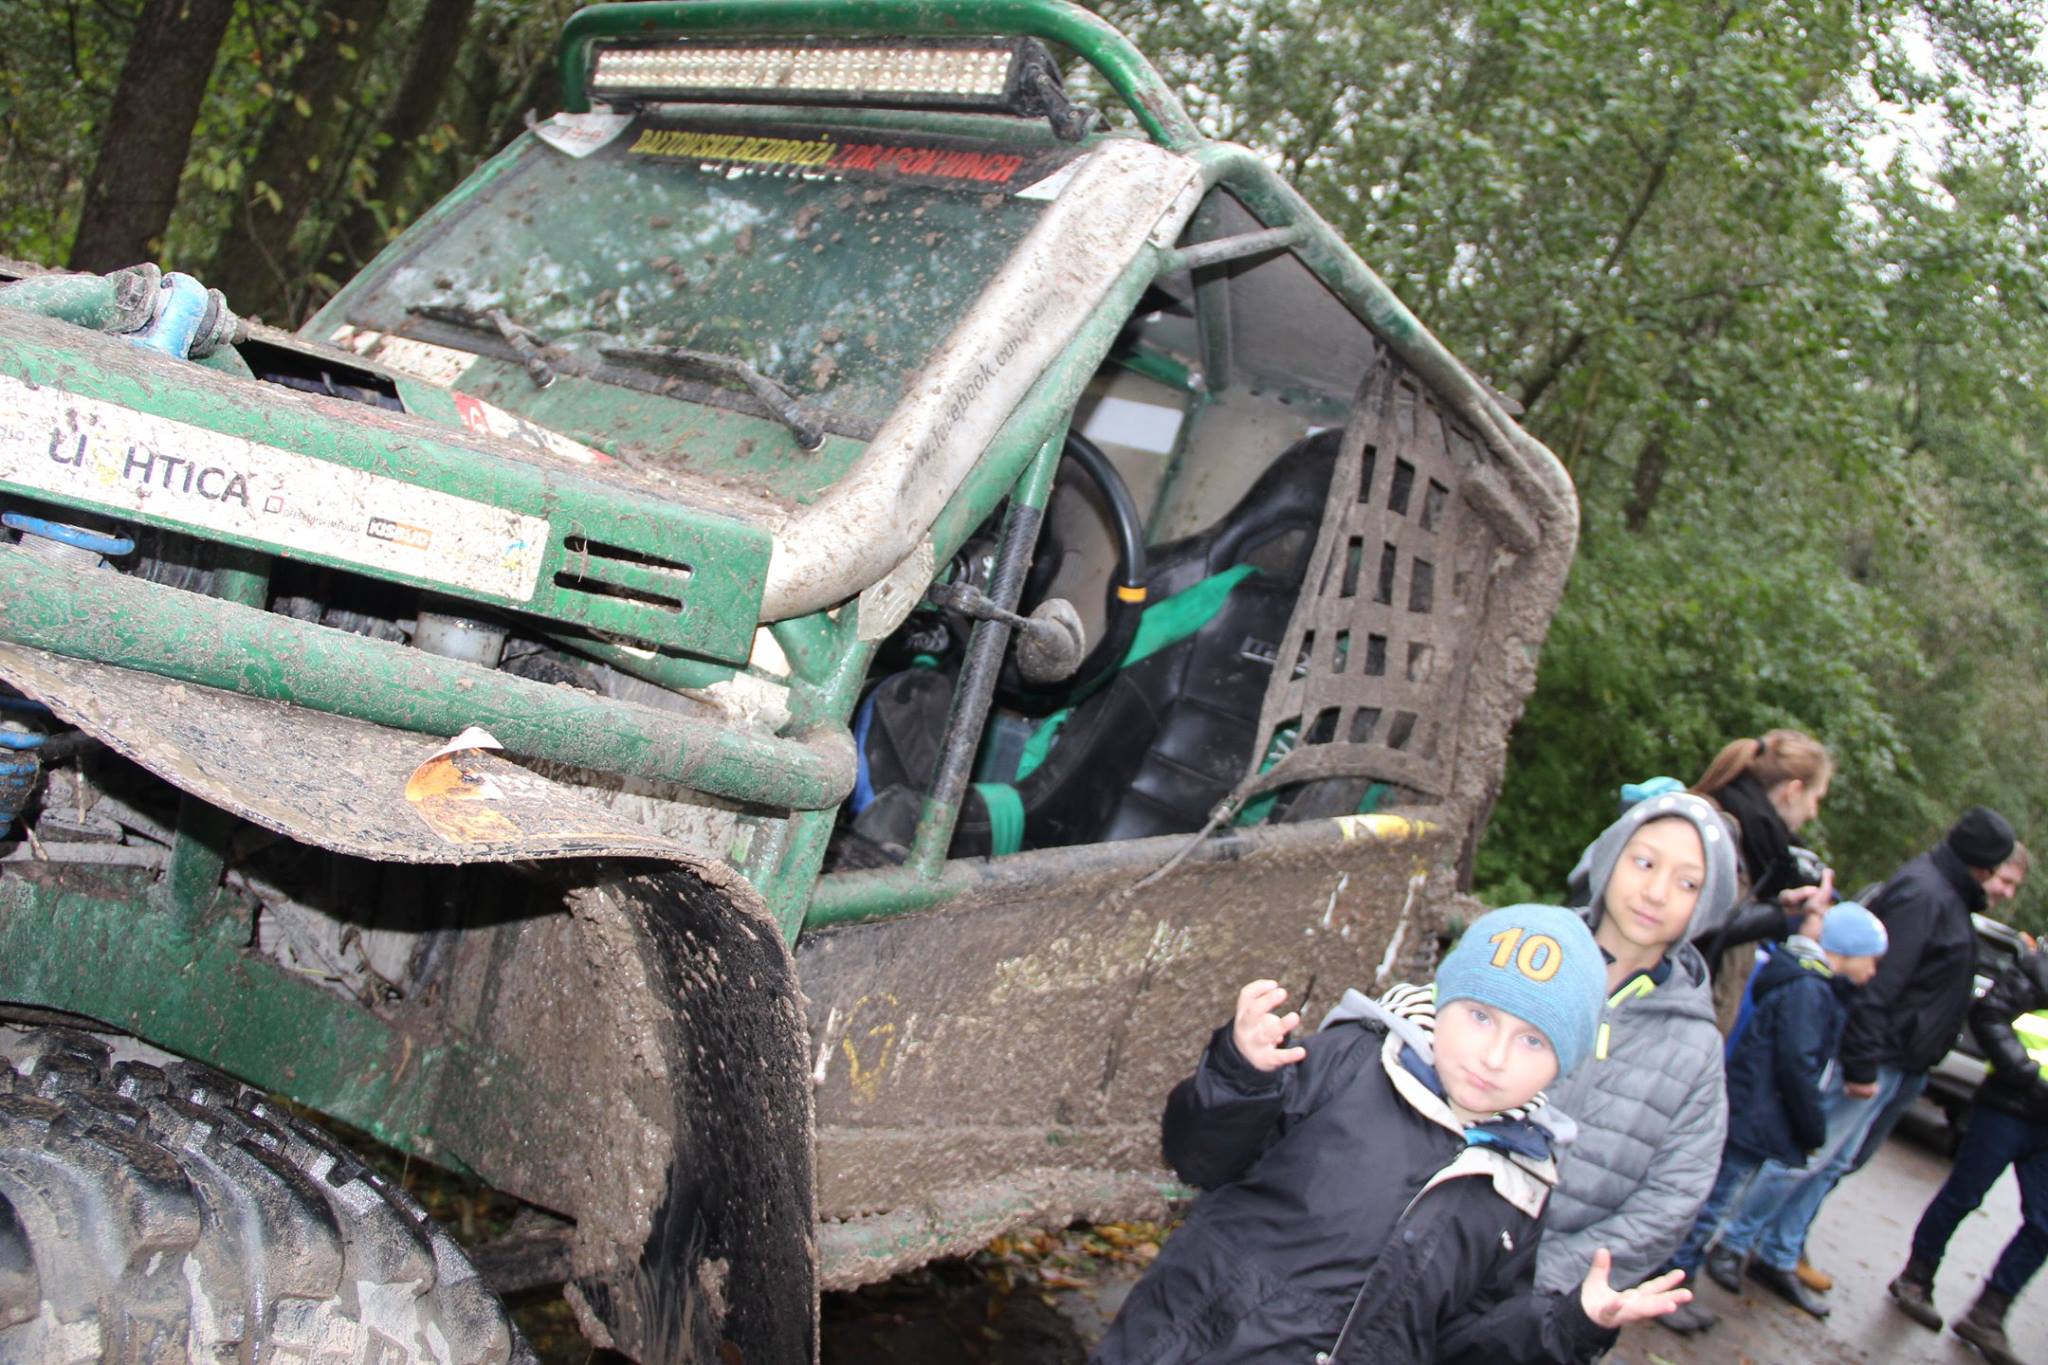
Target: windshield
[833,261]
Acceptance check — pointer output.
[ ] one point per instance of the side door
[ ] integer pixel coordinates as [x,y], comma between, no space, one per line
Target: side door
[1276,779]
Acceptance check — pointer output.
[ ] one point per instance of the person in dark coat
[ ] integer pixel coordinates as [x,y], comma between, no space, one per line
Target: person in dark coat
[1769,787]
[1375,1194]
[1901,1024]
[2002,885]
[2008,1126]
[1801,1000]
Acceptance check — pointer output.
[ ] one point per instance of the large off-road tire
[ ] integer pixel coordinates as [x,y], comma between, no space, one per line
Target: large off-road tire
[170,1214]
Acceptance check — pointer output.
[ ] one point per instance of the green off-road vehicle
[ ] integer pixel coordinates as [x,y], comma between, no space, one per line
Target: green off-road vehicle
[756,683]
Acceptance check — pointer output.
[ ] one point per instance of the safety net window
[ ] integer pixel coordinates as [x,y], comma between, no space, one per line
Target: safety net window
[1391,601]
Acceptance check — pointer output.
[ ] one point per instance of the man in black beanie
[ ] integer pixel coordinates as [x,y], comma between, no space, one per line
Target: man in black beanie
[1900,1025]
[1909,1020]
[1982,839]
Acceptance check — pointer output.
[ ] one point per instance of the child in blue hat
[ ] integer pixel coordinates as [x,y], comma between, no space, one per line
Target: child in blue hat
[1776,1105]
[1375,1192]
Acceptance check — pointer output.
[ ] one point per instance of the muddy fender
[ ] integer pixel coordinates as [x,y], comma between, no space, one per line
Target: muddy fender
[721,1266]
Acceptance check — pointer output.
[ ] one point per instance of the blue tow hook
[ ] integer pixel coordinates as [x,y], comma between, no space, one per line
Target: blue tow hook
[181,308]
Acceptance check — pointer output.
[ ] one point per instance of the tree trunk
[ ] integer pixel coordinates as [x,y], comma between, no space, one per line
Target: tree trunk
[363,233]
[254,263]
[1651,466]
[134,183]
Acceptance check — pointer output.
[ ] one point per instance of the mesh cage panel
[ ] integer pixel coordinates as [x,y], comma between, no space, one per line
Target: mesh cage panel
[1382,635]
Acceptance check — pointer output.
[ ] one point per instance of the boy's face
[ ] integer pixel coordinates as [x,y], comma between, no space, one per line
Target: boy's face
[1489,1060]
[1859,970]
[1656,883]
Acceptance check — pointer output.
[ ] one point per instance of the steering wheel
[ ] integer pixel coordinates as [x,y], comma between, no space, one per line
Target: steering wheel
[1124,604]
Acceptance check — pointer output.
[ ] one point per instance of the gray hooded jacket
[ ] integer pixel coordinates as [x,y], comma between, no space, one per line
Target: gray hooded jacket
[1650,1105]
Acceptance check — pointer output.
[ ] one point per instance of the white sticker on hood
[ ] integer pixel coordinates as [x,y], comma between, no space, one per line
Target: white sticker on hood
[440,366]
[581,134]
[130,462]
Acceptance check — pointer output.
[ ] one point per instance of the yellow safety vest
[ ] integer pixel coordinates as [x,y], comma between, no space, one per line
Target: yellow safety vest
[2033,1035]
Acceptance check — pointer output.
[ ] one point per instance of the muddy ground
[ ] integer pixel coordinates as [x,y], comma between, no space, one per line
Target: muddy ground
[1046,1300]
[961,1314]
[1861,1238]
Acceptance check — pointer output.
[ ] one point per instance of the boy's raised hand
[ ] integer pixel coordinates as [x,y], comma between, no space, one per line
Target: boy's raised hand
[1259,1033]
[1611,1307]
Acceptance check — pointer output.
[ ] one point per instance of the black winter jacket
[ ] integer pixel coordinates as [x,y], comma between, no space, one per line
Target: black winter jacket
[1909,1014]
[2015,1083]
[1774,1074]
[1342,1185]
[1754,921]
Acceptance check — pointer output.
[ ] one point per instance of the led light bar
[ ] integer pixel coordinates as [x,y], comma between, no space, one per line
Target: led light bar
[995,75]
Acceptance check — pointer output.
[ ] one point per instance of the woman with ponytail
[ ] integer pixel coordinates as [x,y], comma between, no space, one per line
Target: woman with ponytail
[1769,787]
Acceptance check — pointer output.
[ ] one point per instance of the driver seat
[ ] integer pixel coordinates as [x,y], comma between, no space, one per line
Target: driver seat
[1170,734]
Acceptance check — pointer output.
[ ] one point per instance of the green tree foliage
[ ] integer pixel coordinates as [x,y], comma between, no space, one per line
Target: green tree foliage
[1799,391]
[57,74]
[309,128]
[308,135]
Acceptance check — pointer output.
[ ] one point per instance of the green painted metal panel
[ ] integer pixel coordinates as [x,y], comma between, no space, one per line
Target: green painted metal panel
[598,538]
[184,984]
[152,957]
[1091,38]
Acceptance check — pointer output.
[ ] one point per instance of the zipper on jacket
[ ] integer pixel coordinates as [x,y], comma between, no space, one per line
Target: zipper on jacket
[1637,987]
[1325,1357]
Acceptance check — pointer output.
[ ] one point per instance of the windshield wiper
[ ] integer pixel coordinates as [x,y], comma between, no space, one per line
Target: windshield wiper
[808,432]
[527,343]
[524,341]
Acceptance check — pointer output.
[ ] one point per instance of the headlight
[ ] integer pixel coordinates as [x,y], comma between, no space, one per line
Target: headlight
[993,75]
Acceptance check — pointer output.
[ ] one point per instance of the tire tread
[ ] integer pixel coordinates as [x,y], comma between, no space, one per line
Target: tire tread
[173,1214]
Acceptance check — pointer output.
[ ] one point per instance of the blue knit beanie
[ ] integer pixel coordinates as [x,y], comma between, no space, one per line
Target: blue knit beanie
[1853,931]
[1537,962]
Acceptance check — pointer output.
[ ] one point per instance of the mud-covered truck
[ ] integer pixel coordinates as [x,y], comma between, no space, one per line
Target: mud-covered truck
[755,683]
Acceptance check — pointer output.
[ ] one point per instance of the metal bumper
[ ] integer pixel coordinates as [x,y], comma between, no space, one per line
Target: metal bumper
[107,617]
